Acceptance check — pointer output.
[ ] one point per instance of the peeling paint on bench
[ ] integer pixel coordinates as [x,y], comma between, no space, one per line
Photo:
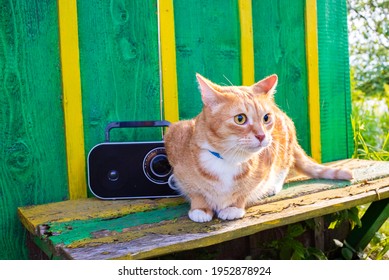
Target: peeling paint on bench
[138,229]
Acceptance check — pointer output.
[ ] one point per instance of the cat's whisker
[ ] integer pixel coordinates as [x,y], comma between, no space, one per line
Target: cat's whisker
[233,151]
[225,77]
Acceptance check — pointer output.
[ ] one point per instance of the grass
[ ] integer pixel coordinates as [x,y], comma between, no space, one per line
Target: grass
[371,141]
[371,133]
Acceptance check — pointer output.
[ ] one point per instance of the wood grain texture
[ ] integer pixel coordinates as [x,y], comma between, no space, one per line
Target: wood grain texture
[246,42]
[207,42]
[161,226]
[279,47]
[83,209]
[334,74]
[71,87]
[167,47]
[118,42]
[120,81]
[32,149]
[312,55]
[375,216]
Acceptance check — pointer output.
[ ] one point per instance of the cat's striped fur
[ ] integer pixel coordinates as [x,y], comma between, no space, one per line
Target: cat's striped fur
[238,150]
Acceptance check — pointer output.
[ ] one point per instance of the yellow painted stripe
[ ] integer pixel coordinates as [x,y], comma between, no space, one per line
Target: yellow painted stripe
[313,77]
[246,41]
[72,101]
[168,60]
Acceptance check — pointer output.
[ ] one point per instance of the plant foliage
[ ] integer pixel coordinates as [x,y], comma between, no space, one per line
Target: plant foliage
[369,44]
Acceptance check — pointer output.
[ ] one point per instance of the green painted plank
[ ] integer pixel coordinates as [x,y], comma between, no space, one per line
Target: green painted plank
[208,42]
[375,216]
[334,76]
[68,232]
[151,240]
[140,229]
[46,248]
[32,149]
[88,208]
[279,47]
[118,43]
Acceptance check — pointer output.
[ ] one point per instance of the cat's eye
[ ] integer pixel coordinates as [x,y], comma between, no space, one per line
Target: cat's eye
[266,118]
[240,119]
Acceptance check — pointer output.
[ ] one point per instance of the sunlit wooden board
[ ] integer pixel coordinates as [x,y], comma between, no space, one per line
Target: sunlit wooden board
[137,229]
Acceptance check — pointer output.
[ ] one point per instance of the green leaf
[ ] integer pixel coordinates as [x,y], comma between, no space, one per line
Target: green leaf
[295,230]
[333,224]
[381,254]
[299,252]
[285,253]
[353,216]
[311,224]
[318,254]
[347,253]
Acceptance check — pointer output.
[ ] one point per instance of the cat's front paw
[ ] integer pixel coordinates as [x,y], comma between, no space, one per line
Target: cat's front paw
[199,216]
[231,213]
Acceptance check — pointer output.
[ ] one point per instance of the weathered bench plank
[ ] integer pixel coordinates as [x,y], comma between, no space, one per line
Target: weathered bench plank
[33,217]
[136,229]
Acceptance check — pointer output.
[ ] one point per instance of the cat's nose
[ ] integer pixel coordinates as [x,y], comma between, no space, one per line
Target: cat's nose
[260,137]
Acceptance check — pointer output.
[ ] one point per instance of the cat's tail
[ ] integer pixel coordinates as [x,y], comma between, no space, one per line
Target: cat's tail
[308,166]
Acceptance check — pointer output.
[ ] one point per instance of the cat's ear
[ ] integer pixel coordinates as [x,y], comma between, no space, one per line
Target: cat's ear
[210,93]
[267,85]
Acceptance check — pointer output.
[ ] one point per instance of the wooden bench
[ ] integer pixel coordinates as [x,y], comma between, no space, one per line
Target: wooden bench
[139,229]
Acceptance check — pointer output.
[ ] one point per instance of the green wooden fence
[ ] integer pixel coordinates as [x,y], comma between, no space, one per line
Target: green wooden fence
[121,79]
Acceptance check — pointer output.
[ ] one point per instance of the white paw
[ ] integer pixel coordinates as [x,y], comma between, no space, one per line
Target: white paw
[199,216]
[277,188]
[231,213]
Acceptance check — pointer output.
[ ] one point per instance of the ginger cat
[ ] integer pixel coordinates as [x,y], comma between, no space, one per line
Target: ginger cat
[238,150]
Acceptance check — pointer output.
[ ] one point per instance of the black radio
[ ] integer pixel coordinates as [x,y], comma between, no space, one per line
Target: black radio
[125,170]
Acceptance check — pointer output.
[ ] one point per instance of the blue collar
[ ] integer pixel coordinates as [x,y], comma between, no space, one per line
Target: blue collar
[215,154]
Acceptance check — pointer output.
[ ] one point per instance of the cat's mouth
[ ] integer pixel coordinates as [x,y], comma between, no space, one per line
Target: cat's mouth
[255,146]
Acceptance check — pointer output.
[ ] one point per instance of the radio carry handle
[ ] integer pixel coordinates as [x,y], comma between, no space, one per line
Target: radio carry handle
[129,124]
